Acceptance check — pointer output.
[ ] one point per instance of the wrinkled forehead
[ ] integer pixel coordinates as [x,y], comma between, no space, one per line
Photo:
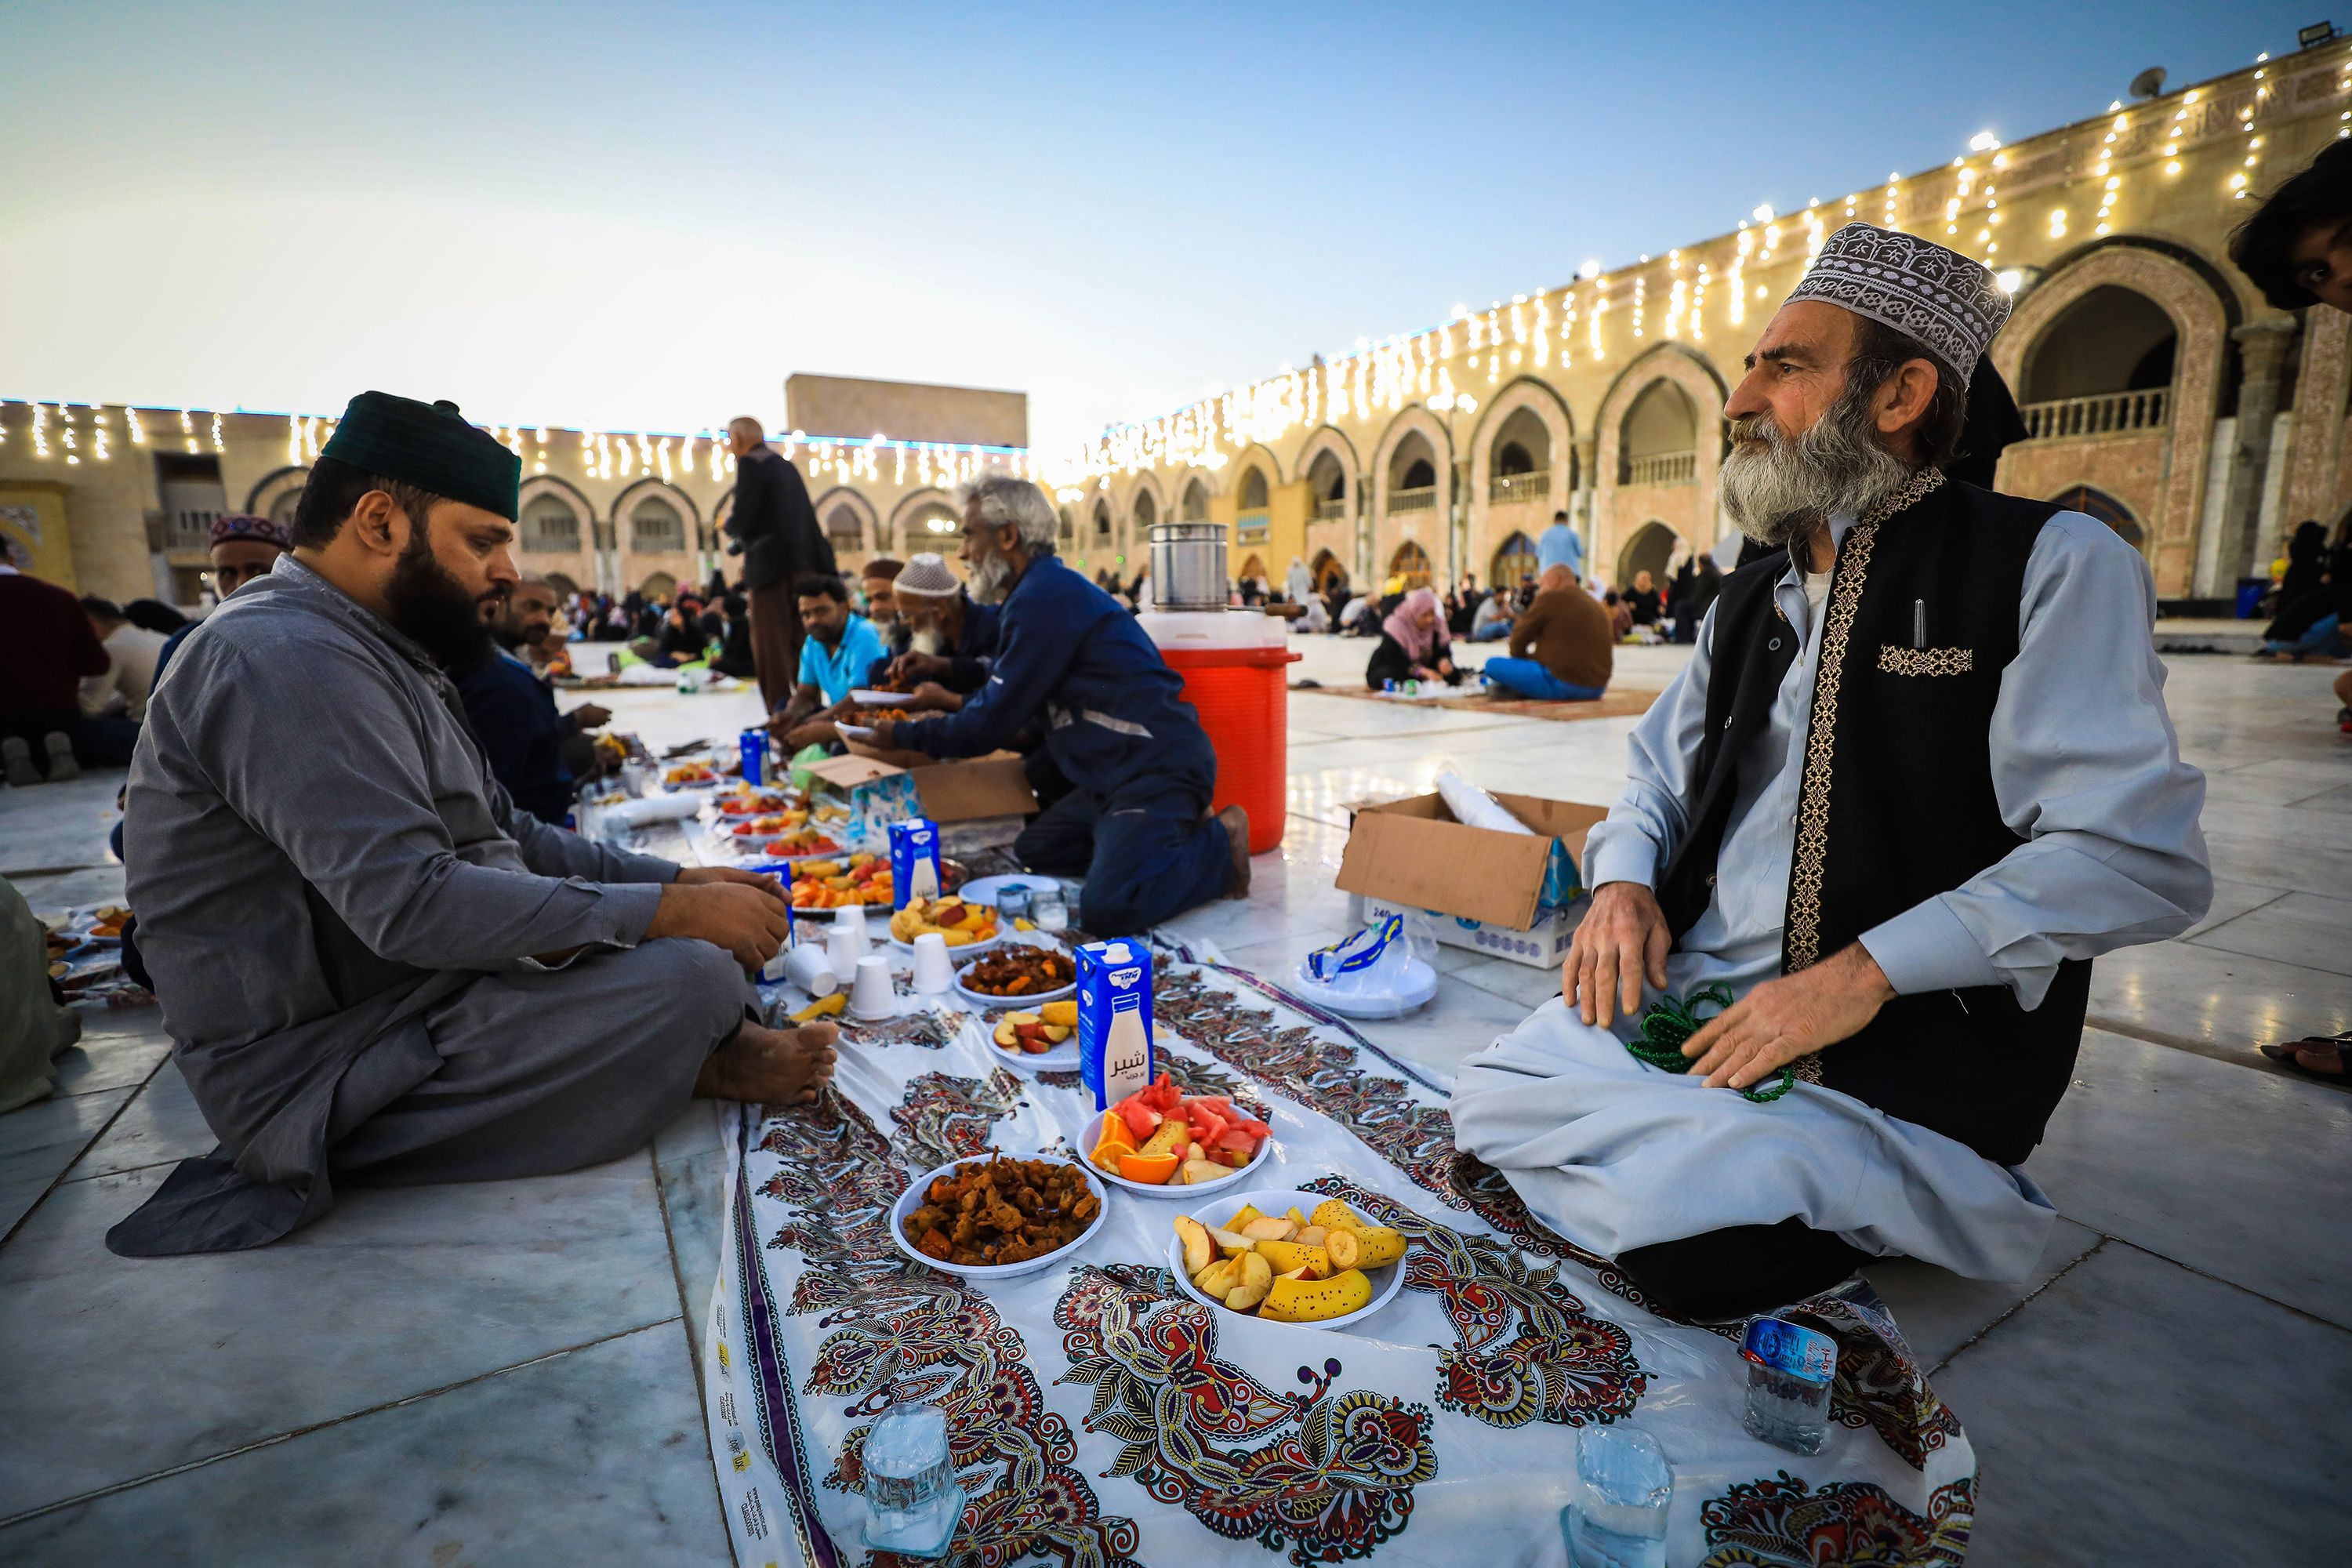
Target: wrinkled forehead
[1812,329]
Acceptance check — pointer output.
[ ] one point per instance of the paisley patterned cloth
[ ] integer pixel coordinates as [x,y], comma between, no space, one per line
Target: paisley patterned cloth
[1100,1418]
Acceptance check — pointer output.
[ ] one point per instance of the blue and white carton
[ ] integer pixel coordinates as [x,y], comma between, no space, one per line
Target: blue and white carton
[1115,1045]
[914,861]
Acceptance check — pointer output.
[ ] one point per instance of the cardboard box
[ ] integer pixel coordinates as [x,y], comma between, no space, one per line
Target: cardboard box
[1506,895]
[978,804]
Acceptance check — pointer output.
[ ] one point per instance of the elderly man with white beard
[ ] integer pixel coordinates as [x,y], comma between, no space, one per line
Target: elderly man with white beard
[1917,775]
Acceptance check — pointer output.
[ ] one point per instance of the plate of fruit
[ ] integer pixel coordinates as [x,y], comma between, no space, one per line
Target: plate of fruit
[1043,1041]
[966,1217]
[1158,1142]
[755,804]
[967,927]
[861,880]
[688,776]
[767,822]
[1019,974]
[1287,1257]
[803,844]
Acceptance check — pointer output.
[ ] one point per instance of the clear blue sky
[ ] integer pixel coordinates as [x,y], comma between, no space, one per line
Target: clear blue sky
[645,217]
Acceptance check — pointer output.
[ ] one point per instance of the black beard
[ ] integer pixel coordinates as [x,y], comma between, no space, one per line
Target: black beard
[432,609]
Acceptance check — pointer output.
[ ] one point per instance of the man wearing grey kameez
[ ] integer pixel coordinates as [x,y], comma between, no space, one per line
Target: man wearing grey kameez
[1917,774]
[374,968]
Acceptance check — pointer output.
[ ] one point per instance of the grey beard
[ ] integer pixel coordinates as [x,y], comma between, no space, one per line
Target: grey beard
[928,641]
[1781,492]
[990,580]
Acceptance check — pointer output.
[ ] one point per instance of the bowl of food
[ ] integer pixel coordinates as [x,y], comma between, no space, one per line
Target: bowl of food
[1287,1257]
[690,776]
[1164,1145]
[1018,975]
[755,803]
[964,927]
[1029,1214]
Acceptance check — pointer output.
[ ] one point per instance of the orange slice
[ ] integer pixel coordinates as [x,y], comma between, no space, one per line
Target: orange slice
[1108,1156]
[1152,1170]
[1115,1131]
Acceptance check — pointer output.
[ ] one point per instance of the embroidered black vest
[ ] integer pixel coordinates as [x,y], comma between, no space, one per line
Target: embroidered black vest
[1896,803]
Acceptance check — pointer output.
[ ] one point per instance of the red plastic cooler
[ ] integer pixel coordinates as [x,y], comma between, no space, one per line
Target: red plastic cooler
[1236,674]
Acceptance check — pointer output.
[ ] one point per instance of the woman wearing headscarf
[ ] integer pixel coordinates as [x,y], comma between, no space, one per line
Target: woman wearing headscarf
[1414,644]
[2303,596]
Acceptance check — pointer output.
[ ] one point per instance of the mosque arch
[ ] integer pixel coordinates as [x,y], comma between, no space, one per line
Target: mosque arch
[1657,440]
[1410,562]
[1146,504]
[2113,339]
[549,522]
[656,517]
[1330,463]
[658,586]
[1328,571]
[1649,548]
[2098,503]
[1692,505]
[1196,500]
[1525,429]
[2202,312]
[1514,562]
[849,520]
[563,586]
[1253,492]
[928,518]
[276,495]
[1102,531]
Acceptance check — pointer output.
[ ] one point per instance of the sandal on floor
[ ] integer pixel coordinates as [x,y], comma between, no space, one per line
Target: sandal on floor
[2286,1056]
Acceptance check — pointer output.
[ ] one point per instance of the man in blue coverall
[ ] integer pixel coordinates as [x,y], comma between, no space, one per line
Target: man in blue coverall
[1071,660]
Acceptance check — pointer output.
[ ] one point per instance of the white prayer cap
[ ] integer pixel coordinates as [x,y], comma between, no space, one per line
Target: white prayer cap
[927,574]
[1916,287]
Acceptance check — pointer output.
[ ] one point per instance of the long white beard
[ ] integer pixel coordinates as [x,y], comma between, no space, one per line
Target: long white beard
[990,580]
[928,641]
[1779,488]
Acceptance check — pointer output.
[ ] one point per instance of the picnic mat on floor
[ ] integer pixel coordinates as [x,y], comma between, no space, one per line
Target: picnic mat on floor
[1612,704]
[1101,1419]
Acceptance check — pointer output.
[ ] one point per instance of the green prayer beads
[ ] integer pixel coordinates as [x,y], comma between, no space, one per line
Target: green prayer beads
[1668,1026]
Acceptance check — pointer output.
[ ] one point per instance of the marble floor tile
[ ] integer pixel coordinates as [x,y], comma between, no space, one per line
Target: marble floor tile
[1939,1311]
[37,1142]
[119,1061]
[2231,900]
[2226,1170]
[2297,927]
[395,1292]
[694,1204]
[1278,959]
[60,825]
[1459,1020]
[1522,984]
[594,1454]
[72,890]
[2290,861]
[2336,799]
[2136,1412]
[161,1126]
[2224,1002]
[693,1131]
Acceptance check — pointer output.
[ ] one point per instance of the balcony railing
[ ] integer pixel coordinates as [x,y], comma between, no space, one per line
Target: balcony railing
[552,541]
[1662,469]
[2109,414]
[1250,527]
[657,540]
[1331,509]
[1509,488]
[1422,498]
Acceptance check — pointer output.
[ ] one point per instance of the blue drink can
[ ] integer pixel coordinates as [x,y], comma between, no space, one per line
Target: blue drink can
[754,743]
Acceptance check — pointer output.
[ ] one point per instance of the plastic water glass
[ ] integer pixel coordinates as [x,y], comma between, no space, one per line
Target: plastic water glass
[1012,901]
[913,1499]
[1789,1370]
[1048,910]
[1623,1489]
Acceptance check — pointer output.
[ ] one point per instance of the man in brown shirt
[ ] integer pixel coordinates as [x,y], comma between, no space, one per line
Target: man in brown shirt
[1572,641]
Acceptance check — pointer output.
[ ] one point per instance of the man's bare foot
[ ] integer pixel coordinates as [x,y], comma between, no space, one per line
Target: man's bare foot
[1236,823]
[771,1067]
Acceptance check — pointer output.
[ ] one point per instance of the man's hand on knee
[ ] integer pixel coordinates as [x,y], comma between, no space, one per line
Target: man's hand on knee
[749,921]
[1622,941]
[1783,1019]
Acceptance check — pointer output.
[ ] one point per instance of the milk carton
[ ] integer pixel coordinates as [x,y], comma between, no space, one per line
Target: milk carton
[914,861]
[1115,1053]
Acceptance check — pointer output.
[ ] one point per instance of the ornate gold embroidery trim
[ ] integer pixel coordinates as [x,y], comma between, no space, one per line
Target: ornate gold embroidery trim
[1895,660]
[1800,945]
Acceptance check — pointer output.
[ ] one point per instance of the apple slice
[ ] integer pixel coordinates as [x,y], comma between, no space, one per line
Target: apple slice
[1231,1245]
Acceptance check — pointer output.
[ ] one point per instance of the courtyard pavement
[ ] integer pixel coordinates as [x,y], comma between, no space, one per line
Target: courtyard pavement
[505,1372]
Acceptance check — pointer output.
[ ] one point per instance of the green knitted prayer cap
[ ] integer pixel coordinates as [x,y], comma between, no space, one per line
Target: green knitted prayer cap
[430,445]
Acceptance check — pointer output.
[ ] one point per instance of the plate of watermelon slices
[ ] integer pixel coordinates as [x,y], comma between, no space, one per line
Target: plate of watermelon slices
[1161,1144]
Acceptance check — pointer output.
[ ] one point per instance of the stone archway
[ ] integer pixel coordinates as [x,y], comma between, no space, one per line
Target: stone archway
[2202,324]
[927,519]
[1523,457]
[1688,509]
[1407,504]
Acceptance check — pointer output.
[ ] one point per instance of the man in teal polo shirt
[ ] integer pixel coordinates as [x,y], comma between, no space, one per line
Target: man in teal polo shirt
[838,649]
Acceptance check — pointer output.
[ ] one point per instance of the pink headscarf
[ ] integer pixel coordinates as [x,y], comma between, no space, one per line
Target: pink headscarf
[1416,639]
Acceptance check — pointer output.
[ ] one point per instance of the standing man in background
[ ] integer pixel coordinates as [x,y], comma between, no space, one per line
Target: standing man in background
[778,530]
[1559,546]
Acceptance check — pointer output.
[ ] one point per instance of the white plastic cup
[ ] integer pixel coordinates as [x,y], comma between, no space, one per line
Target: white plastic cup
[871,996]
[933,972]
[807,967]
[842,949]
[851,918]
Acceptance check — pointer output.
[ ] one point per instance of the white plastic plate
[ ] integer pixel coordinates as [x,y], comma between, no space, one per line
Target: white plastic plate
[912,1199]
[1386,1281]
